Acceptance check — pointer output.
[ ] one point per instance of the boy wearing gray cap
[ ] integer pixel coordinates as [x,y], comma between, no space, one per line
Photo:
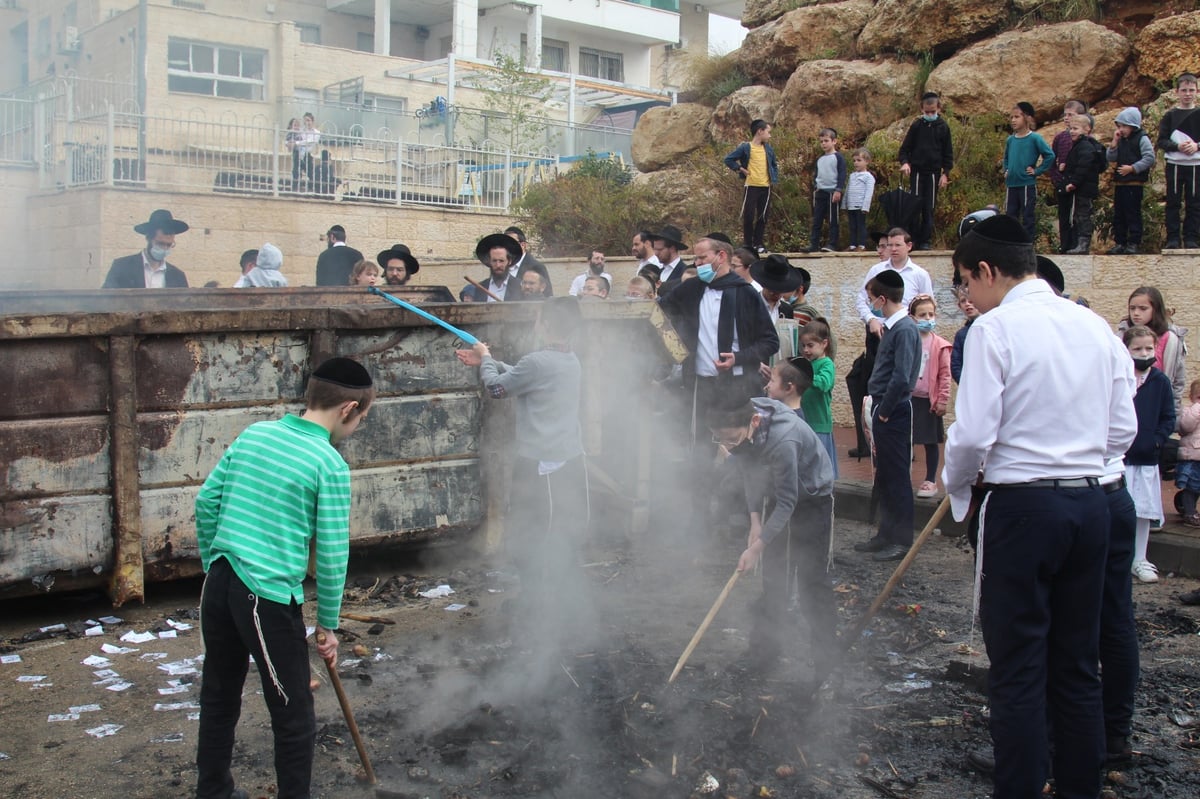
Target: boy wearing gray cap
[1132,154]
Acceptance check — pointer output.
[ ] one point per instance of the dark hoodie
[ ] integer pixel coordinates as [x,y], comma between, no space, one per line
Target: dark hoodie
[784,460]
[927,148]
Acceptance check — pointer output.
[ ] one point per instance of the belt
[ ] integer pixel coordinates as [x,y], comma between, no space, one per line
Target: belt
[1114,486]
[1057,482]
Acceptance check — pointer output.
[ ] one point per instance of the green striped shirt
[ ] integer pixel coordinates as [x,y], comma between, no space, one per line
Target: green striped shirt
[277,486]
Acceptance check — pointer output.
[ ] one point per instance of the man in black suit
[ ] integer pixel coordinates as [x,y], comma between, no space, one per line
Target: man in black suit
[149,269]
[497,252]
[525,261]
[335,264]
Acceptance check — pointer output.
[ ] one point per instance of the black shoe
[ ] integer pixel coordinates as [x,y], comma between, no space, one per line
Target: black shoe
[1172,244]
[859,452]
[1131,249]
[890,552]
[982,761]
[1120,249]
[1191,597]
[925,247]
[1119,751]
[1191,244]
[873,544]
[238,793]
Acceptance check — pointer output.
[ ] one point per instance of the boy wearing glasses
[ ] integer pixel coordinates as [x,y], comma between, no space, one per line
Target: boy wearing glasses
[788,483]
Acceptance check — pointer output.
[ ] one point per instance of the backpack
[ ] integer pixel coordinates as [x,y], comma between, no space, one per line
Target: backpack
[1099,157]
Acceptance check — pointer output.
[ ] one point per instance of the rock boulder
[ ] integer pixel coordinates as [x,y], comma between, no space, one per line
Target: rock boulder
[927,25]
[771,52]
[1167,47]
[731,121]
[759,12]
[1046,65]
[852,97]
[663,136]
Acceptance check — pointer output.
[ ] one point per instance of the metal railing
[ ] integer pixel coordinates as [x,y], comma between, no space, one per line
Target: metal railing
[172,154]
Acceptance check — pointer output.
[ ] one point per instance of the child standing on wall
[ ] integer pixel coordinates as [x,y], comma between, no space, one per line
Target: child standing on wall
[755,161]
[1026,155]
[1132,155]
[926,157]
[1085,162]
[1061,145]
[859,190]
[931,395]
[828,181]
[1179,139]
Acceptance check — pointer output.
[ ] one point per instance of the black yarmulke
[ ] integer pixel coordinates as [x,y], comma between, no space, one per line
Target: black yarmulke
[803,365]
[343,372]
[890,278]
[1048,271]
[1002,229]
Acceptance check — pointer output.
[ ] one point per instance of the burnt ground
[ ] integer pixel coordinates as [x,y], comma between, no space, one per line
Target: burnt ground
[461,704]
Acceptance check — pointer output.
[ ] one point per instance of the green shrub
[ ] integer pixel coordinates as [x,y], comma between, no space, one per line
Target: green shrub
[713,77]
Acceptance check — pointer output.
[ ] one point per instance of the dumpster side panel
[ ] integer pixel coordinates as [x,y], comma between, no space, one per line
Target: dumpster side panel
[67,534]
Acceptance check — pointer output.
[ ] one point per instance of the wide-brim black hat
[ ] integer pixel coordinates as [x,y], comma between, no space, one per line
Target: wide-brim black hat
[774,273]
[671,235]
[401,251]
[1048,271]
[161,220]
[504,240]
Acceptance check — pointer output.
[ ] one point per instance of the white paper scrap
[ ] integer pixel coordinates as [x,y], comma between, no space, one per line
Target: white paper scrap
[168,634]
[95,661]
[110,620]
[174,689]
[84,708]
[455,607]
[179,668]
[110,649]
[53,717]
[176,706]
[31,678]
[153,656]
[54,628]
[193,716]
[10,659]
[169,738]
[434,593]
[119,686]
[179,625]
[93,631]
[104,674]
[137,638]
[105,730]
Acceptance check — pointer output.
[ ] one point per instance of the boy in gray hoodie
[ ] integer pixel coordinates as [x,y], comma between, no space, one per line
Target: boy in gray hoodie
[788,482]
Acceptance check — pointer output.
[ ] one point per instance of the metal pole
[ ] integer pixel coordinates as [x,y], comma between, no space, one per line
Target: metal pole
[507,178]
[109,148]
[143,22]
[278,137]
[399,168]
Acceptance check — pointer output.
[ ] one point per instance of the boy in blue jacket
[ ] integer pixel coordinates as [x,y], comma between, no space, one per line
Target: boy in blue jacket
[755,161]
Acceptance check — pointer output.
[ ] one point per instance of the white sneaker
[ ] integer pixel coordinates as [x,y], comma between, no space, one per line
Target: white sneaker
[1145,571]
[927,490]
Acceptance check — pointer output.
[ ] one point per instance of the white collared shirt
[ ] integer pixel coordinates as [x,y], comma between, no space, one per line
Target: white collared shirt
[514,268]
[156,276]
[1046,392]
[651,261]
[707,351]
[577,283]
[669,269]
[916,281]
[499,289]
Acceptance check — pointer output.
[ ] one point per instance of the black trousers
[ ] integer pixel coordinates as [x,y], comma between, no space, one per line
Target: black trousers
[1066,230]
[1021,204]
[235,624]
[824,209]
[754,215]
[1183,188]
[1044,556]
[856,385]
[925,186]
[893,481]
[1119,658]
[1127,213]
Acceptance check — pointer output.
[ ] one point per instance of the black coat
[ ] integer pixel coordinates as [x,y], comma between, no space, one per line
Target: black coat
[1084,164]
[512,293]
[741,308]
[335,265]
[129,272]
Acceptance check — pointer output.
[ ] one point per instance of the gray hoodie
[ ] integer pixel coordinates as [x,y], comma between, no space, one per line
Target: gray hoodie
[785,461]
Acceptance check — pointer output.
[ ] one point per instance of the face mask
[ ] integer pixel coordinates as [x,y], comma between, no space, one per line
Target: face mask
[926,325]
[705,272]
[1142,364]
[159,253]
[929,117]
[876,312]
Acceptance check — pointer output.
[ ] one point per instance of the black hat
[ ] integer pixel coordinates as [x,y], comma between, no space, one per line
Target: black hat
[1048,271]
[890,278]
[486,244]
[1002,229]
[161,220]
[671,235]
[804,365]
[774,273]
[343,372]
[719,237]
[1026,108]
[805,277]
[876,235]
[401,251]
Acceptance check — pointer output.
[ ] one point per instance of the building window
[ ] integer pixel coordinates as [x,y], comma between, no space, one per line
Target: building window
[601,64]
[309,34]
[385,104]
[42,46]
[216,70]
[365,42]
[554,55]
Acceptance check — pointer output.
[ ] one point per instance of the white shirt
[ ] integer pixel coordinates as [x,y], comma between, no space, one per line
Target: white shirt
[500,289]
[669,269]
[707,352]
[652,261]
[577,283]
[156,275]
[916,281]
[1046,392]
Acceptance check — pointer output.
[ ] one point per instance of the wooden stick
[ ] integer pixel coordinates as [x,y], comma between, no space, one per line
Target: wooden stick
[349,714]
[712,613]
[367,619]
[479,286]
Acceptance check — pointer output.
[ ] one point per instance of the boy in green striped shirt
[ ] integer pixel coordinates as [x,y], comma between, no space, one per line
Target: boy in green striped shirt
[278,487]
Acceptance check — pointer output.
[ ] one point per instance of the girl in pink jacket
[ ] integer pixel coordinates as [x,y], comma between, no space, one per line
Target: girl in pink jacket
[932,392]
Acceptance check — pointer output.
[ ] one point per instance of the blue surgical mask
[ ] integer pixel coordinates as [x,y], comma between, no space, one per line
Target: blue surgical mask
[705,272]
[929,117]
[926,325]
[159,254]
[877,313]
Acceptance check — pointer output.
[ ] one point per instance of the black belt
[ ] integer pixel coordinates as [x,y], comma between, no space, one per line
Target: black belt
[1057,482]
[1114,486]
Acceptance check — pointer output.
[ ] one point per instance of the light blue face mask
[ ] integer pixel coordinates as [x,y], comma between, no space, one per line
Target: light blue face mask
[159,254]
[929,117]
[926,325]
[876,312]
[705,272]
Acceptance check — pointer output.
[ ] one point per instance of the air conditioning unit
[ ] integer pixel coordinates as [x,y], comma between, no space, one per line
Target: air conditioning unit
[70,40]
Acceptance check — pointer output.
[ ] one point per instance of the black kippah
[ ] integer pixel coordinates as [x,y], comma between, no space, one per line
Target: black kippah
[1001,229]
[343,372]
[803,365]
[890,278]
[1048,271]
[715,236]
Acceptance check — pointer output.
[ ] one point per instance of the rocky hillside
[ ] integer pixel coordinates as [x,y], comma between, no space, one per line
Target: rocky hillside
[860,66]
